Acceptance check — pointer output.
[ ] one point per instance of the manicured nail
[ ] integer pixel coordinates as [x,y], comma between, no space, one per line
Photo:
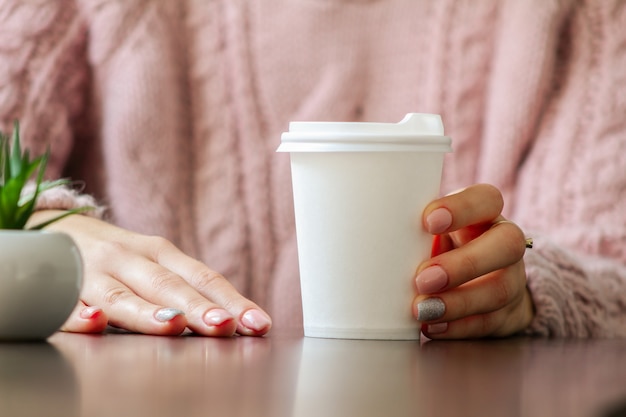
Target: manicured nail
[438,221]
[456,191]
[431,280]
[167,314]
[436,328]
[430,309]
[256,320]
[217,317]
[90,312]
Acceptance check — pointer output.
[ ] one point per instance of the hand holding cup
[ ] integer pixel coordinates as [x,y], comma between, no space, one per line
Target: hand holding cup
[475,283]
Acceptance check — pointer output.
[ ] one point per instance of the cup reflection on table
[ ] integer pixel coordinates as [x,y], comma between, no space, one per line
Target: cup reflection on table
[355,378]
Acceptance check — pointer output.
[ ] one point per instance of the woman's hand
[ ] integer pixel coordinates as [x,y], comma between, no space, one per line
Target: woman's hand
[145,284]
[474,285]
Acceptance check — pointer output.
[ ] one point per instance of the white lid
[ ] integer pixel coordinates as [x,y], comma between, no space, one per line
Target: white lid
[416,132]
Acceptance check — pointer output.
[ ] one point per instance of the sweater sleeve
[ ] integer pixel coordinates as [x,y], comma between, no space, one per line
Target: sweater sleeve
[65,198]
[43,80]
[575,295]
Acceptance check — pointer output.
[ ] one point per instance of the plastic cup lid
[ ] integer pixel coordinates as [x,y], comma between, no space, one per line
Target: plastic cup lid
[416,132]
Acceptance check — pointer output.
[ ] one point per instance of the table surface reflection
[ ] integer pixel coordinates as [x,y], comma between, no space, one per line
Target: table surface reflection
[285,374]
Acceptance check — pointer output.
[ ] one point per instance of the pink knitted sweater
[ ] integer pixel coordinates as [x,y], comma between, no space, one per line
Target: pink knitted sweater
[171,112]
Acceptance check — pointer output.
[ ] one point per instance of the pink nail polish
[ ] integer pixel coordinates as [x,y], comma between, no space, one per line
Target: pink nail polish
[256,320]
[431,280]
[217,317]
[90,312]
[438,221]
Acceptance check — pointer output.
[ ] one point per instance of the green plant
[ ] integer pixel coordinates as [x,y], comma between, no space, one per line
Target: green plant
[16,169]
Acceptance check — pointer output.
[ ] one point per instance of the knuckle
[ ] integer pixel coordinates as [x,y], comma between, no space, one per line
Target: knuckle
[463,307]
[468,266]
[106,250]
[158,244]
[164,281]
[514,242]
[217,288]
[206,279]
[501,291]
[487,325]
[196,304]
[116,295]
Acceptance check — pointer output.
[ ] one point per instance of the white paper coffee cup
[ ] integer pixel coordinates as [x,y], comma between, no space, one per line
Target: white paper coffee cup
[359,192]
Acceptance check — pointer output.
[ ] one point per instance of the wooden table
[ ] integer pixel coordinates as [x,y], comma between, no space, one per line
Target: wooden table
[284,374]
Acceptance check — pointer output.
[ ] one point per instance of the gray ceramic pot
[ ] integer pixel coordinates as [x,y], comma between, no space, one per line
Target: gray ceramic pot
[40,281]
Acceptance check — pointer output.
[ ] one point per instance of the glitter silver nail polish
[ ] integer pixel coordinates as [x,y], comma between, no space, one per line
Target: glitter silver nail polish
[167,314]
[430,309]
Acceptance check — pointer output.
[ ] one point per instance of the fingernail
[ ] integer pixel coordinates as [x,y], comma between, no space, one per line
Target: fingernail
[217,317]
[436,328]
[167,314]
[456,191]
[431,280]
[256,320]
[438,221]
[90,312]
[430,309]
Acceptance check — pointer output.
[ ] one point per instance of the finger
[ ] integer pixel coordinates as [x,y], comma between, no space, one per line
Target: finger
[128,311]
[251,319]
[159,285]
[485,294]
[500,323]
[85,319]
[495,249]
[474,205]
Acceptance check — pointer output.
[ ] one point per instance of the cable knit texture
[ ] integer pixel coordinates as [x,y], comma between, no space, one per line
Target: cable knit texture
[64,198]
[171,111]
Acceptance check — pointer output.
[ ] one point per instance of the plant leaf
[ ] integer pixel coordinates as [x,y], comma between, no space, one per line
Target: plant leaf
[9,202]
[6,161]
[16,160]
[16,168]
